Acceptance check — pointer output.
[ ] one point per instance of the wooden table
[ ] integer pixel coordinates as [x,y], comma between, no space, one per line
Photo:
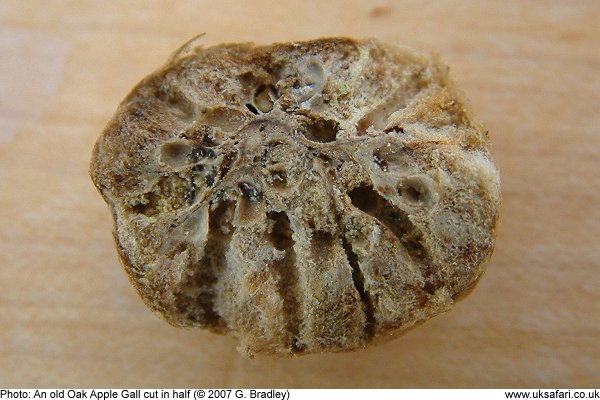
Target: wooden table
[68,315]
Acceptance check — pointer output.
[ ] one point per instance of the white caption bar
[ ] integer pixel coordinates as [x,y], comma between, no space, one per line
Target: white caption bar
[299,394]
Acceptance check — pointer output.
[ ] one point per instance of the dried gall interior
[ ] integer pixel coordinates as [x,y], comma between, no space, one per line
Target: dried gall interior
[307,197]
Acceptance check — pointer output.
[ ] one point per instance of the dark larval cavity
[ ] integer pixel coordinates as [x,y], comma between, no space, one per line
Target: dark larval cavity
[359,283]
[281,232]
[228,160]
[252,109]
[369,201]
[263,98]
[196,296]
[249,192]
[280,236]
[322,131]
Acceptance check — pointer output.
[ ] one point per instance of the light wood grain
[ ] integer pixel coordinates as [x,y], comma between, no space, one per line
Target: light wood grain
[69,317]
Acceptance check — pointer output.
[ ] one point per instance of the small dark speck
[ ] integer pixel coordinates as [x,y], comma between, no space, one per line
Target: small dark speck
[252,109]
[379,160]
[248,191]
[209,179]
[397,129]
[207,140]
[200,152]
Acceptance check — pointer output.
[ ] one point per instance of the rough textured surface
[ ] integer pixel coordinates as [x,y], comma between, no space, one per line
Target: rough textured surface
[70,317]
[312,196]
